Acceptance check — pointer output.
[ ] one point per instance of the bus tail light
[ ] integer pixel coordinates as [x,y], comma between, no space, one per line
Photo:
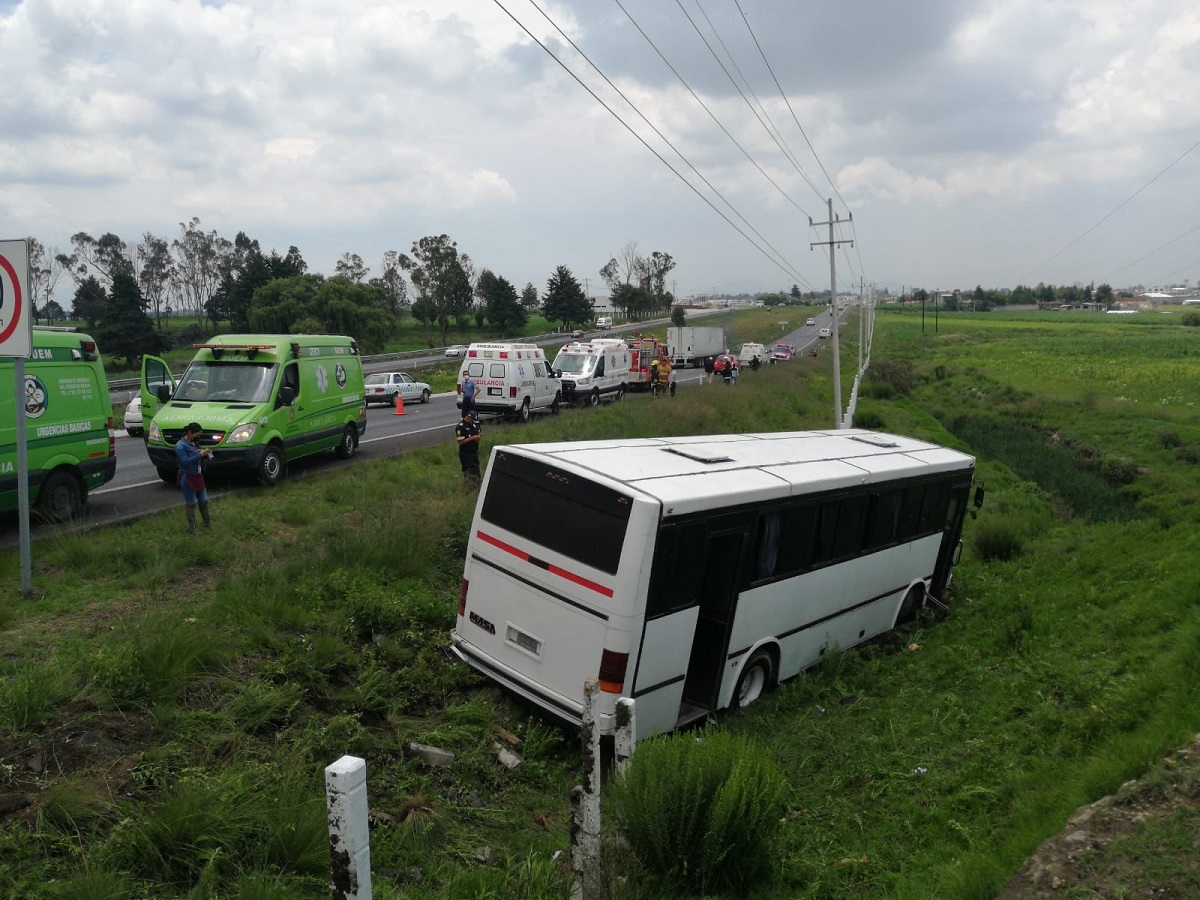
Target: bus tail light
[512,393]
[612,671]
[112,438]
[462,597]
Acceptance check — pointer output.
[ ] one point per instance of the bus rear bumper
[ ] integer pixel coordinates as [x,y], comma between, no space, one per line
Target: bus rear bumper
[565,710]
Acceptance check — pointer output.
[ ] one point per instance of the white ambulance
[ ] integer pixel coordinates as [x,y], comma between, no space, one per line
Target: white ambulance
[749,351]
[512,380]
[593,371]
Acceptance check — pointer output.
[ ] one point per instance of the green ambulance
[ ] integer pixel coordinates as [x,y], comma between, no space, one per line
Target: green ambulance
[262,400]
[68,424]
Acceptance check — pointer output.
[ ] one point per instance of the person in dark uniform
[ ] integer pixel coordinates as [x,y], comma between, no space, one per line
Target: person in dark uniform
[468,435]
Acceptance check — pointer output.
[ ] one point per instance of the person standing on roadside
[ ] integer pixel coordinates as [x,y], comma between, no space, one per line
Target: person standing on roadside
[468,393]
[708,368]
[191,456]
[672,380]
[654,378]
[468,435]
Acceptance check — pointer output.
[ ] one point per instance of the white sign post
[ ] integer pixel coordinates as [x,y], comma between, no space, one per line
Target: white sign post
[16,341]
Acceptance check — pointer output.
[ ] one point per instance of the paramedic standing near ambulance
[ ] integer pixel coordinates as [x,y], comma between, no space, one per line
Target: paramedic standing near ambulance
[468,435]
[190,455]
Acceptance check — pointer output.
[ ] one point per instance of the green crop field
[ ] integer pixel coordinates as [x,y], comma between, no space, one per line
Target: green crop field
[168,704]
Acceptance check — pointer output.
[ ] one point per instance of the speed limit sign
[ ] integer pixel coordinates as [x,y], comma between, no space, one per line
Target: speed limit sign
[16,321]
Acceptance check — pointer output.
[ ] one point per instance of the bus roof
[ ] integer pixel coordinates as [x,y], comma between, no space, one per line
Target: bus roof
[693,473]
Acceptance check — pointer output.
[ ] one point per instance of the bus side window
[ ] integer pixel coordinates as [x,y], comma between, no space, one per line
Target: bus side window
[933,507]
[852,514]
[910,513]
[826,532]
[770,532]
[496,370]
[882,519]
[796,550]
[678,566]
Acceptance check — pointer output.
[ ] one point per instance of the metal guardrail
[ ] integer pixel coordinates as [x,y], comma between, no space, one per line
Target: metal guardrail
[124,384]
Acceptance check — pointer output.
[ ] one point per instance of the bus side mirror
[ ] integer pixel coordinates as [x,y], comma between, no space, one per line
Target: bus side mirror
[163,393]
[979,497]
[287,396]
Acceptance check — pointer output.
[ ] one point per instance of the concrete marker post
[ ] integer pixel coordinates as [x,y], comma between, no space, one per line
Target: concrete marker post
[349,838]
[625,738]
[585,804]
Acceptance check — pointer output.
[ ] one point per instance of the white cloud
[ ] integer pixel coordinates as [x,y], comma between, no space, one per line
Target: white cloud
[323,124]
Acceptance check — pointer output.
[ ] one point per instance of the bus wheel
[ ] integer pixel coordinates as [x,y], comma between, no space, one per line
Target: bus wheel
[61,497]
[169,476]
[756,678]
[270,468]
[349,443]
[911,604]
[620,393]
[523,412]
[594,398]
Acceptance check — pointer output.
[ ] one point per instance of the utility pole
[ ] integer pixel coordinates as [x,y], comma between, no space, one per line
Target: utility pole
[833,245]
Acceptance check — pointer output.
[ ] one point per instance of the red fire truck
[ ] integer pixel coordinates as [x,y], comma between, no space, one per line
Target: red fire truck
[643,350]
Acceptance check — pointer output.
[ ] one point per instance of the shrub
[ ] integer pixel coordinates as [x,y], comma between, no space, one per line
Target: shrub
[701,811]
[1168,438]
[897,375]
[996,541]
[868,418]
[1191,317]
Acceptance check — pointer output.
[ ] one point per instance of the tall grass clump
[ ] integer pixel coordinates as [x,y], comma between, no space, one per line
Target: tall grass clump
[156,657]
[996,542]
[700,812]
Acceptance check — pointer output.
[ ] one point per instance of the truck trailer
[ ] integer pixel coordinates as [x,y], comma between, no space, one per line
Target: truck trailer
[690,346]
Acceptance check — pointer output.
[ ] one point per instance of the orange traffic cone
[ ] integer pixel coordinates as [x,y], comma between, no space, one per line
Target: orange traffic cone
[399,404]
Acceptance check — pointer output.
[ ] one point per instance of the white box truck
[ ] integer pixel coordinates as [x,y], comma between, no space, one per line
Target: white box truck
[690,346]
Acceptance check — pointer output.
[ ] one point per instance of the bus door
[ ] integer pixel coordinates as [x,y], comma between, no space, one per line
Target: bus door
[955,513]
[718,601]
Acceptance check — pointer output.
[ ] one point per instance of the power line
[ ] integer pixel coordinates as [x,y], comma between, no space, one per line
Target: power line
[786,152]
[775,128]
[711,114]
[692,187]
[767,63]
[661,136]
[795,118]
[1151,253]
[1105,218]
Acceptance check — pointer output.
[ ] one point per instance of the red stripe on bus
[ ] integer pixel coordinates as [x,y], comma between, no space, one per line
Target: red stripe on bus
[555,570]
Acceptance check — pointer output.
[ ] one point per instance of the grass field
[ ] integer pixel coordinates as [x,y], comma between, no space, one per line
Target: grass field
[167,704]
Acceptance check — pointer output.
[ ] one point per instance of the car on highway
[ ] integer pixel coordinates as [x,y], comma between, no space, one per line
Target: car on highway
[782,352]
[577,334]
[133,416]
[134,426]
[456,350]
[384,387]
[811,321]
[824,333]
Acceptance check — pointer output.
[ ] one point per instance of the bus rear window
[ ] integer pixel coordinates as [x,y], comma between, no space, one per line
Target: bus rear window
[557,510]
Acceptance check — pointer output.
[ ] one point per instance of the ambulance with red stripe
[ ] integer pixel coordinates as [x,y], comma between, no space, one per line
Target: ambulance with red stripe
[511,380]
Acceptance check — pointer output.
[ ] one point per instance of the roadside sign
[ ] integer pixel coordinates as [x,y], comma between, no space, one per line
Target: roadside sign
[16,320]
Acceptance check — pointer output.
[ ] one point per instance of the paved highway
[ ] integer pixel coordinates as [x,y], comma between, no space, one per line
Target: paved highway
[137,490]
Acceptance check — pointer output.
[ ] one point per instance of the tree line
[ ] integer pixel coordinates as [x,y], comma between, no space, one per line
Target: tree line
[123,291]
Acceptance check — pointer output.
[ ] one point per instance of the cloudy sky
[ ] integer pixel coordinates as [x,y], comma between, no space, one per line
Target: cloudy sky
[974,141]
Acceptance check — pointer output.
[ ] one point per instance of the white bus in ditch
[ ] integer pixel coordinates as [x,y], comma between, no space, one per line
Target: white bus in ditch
[692,573]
